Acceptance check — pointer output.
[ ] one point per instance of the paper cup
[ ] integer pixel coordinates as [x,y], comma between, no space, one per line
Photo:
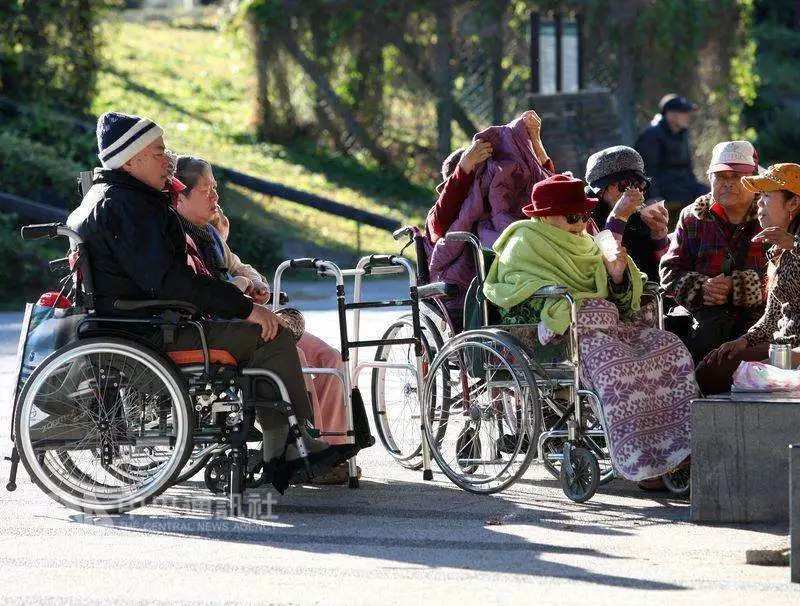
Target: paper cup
[607,244]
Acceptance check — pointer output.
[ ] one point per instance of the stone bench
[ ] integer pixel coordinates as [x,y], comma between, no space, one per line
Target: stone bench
[794,510]
[739,450]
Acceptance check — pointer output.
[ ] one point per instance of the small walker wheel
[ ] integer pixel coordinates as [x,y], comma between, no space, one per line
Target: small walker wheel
[468,450]
[678,481]
[580,483]
[218,474]
[11,486]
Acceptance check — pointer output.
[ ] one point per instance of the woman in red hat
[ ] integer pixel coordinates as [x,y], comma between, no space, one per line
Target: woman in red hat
[643,375]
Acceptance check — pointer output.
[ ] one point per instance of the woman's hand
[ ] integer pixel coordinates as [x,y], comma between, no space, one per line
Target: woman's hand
[533,124]
[617,267]
[479,151]
[656,217]
[726,351]
[777,236]
[627,204]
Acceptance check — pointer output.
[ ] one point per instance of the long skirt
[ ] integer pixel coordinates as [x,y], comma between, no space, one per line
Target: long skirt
[644,378]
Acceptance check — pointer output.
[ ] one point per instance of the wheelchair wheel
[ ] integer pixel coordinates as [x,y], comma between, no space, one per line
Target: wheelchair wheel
[103,425]
[580,479]
[552,410]
[395,401]
[678,481]
[198,459]
[483,435]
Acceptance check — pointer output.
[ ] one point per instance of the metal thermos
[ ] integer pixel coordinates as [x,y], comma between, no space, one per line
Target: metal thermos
[780,355]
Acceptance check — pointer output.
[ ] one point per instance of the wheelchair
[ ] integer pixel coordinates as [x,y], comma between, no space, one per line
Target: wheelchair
[493,402]
[107,422]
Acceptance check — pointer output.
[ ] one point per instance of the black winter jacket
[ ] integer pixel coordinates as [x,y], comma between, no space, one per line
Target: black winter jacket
[137,249]
[668,162]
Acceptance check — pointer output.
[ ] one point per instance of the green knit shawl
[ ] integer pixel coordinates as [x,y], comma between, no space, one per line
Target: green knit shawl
[534,254]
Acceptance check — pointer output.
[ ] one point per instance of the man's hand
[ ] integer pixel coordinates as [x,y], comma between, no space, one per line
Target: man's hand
[630,200]
[268,321]
[716,290]
[259,292]
[479,151]
[726,351]
[776,236]
[617,267]
[656,217]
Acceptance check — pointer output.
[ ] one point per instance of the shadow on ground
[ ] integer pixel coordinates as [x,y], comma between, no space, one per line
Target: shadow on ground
[399,521]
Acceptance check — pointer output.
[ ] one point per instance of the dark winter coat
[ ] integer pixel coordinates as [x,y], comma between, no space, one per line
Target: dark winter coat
[137,249]
[668,161]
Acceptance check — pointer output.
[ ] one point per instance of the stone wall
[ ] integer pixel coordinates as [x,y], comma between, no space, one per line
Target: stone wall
[575,125]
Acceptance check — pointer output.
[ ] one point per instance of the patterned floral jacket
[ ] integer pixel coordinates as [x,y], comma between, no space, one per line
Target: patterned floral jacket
[781,320]
[702,245]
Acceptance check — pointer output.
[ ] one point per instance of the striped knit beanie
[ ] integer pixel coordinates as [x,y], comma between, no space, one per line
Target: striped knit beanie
[120,137]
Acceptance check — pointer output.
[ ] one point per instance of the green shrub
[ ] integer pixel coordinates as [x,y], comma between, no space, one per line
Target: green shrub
[779,137]
[36,171]
[258,247]
[27,274]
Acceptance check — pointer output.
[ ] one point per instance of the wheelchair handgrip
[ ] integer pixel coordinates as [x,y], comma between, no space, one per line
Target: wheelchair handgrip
[59,267]
[403,231]
[304,263]
[128,305]
[460,236]
[41,230]
[381,260]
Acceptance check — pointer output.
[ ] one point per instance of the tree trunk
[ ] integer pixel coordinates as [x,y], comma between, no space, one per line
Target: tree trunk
[264,115]
[444,76]
[317,75]
[495,42]
[412,59]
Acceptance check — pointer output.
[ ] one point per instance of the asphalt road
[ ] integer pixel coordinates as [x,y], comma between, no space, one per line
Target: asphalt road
[395,540]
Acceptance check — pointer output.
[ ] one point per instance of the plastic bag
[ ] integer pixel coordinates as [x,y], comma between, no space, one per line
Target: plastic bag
[757,376]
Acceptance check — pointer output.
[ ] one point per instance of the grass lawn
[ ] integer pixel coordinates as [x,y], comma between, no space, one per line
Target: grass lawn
[198,84]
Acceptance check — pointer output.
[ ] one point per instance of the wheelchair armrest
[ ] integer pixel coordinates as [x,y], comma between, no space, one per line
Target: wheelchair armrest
[156,304]
[437,289]
[653,288]
[546,292]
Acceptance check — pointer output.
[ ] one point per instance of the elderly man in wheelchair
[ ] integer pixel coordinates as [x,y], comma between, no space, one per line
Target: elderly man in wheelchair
[158,361]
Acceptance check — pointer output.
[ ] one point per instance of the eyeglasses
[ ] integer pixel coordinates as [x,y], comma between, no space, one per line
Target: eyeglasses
[627,184]
[573,219]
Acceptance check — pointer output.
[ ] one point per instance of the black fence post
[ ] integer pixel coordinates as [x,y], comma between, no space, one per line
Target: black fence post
[579,21]
[559,22]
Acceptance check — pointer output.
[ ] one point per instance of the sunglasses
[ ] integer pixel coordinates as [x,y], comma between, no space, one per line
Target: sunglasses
[628,184]
[573,219]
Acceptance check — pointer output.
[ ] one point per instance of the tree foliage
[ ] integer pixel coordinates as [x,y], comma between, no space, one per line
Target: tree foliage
[49,51]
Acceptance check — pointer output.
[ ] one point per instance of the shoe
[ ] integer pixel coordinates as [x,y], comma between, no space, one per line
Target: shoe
[338,475]
[653,485]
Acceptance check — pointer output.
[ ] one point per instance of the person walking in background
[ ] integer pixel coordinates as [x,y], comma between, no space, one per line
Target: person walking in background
[664,147]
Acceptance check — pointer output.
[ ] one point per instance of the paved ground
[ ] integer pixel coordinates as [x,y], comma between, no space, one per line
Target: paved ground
[395,540]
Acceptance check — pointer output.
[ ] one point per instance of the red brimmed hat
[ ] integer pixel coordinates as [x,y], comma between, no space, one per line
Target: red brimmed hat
[559,195]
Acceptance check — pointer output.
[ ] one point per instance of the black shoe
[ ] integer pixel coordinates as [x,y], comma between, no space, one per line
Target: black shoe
[292,469]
